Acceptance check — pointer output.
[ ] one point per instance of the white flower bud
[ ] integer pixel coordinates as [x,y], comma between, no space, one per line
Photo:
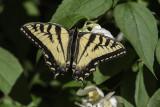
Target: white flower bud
[113,101]
[98,29]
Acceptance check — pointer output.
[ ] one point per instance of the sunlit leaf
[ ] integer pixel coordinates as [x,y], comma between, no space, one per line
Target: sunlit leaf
[141,95]
[139,27]
[71,11]
[10,70]
[155,99]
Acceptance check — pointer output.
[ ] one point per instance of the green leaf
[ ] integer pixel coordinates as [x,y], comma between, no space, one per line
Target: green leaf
[98,77]
[71,11]
[10,70]
[115,2]
[127,88]
[139,27]
[39,55]
[31,8]
[141,95]
[72,84]
[122,101]
[35,101]
[1,8]
[8,102]
[158,51]
[155,99]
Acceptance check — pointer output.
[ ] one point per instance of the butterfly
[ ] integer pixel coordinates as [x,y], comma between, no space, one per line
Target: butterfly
[70,50]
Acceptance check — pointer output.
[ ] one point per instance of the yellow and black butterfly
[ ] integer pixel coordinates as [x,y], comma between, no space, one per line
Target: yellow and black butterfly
[70,50]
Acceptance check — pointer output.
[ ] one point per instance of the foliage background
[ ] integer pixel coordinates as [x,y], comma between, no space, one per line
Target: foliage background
[26,82]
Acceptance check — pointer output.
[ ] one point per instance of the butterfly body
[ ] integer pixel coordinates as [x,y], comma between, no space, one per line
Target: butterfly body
[69,50]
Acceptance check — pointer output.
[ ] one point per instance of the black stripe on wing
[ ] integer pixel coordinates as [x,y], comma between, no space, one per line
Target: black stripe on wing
[58,33]
[106,57]
[91,67]
[91,39]
[50,60]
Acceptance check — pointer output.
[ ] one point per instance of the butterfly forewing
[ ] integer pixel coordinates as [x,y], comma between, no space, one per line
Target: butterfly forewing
[53,40]
[94,48]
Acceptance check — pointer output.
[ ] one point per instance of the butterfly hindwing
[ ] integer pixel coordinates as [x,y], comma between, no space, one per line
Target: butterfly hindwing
[94,48]
[53,40]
